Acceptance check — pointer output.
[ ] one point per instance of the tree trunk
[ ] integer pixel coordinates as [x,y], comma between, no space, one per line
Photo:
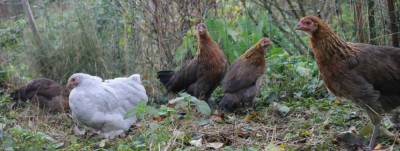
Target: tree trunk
[31,21]
[371,22]
[359,21]
[394,30]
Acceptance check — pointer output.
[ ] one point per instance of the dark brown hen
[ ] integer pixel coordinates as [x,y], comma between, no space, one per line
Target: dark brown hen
[243,79]
[368,75]
[50,95]
[201,75]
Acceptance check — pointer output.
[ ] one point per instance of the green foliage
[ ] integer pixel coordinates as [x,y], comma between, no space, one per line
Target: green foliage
[141,109]
[12,34]
[102,38]
[185,100]
[25,140]
[290,77]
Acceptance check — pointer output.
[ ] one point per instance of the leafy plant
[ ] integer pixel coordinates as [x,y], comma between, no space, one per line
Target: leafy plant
[25,140]
[185,100]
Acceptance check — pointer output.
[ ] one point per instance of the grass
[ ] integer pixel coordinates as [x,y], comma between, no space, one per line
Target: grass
[309,125]
[95,38]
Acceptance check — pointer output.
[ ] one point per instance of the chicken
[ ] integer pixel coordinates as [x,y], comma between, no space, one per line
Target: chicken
[102,105]
[50,95]
[242,81]
[368,75]
[201,75]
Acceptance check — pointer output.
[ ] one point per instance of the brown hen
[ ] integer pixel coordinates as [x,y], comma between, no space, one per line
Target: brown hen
[201,75]
[243,79]
[368,75]
[50,95]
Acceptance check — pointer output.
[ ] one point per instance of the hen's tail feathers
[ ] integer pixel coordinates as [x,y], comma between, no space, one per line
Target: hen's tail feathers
[230,102]
[136,77]
[164,76]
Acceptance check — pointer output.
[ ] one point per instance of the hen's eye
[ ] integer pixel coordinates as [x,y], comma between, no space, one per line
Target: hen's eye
[308,22]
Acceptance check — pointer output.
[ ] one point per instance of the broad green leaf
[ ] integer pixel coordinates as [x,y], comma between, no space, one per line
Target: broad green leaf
[203,107]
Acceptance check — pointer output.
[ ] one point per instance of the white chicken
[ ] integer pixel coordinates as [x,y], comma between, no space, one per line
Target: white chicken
[102,105]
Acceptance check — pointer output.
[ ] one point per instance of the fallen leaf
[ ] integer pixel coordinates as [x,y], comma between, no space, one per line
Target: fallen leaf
[49,138]
[218,113]
[216,145]
[378,147]
[196,143]
[337,101]
[136,125]
[159,118]
[216,118]
[366,130]
[102,143]
[170,105]
[272,147]
[250,117]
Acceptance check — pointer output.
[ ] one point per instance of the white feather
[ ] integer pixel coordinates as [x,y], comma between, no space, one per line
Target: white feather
[103,105]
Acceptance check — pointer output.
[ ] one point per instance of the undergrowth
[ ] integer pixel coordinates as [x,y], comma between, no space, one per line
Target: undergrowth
[293,110]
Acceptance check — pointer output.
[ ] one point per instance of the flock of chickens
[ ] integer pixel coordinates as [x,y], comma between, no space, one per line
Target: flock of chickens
[368,75]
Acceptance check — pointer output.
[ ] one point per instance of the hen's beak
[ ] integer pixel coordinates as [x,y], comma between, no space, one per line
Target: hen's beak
[298,27]
[268,43]
[201,30]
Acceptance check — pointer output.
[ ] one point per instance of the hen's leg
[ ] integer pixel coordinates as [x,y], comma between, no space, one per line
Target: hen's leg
[376,120]
[374,134]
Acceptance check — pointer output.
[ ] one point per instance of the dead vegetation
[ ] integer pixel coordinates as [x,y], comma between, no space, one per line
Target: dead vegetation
[313,126]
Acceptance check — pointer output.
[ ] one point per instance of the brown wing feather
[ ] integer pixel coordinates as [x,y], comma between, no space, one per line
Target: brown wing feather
[44,91]
[184,77]
[240,76]
[380,66]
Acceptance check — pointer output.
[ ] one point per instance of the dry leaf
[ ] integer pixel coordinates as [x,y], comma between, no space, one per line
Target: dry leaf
[337,101]
[159,118]
[196,143]
[217,116]
[378,147]
[170,105]
[137,125]
[250,117]
[216,145]
[216,119]
[103,142]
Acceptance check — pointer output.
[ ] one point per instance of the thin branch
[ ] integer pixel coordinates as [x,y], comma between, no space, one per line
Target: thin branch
[31,21]
[292,8]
